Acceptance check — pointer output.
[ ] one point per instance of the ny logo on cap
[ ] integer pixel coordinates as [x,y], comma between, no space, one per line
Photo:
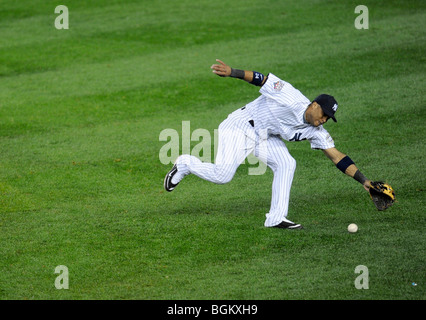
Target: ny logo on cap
[335,107]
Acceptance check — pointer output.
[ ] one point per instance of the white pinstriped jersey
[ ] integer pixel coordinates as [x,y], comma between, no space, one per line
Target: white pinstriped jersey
[280,110]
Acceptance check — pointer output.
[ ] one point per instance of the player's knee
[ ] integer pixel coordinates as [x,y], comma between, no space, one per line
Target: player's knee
[288,164]
[223,175]
[291,164]
[224,179]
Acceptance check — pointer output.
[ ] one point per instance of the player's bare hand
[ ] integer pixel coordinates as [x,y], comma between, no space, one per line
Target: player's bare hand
[221,69]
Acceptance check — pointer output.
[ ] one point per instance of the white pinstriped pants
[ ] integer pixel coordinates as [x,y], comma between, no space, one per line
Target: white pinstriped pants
[236,140]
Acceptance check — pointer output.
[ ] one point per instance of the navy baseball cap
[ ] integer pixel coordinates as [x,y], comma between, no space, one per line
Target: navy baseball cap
[328,105]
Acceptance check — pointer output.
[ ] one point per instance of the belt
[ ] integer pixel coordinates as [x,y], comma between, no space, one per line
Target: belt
[250,121]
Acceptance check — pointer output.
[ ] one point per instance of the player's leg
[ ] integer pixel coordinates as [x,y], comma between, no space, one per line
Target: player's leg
[234,145]
[275,154]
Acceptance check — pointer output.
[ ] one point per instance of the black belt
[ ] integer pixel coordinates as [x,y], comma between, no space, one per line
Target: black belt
[250,121]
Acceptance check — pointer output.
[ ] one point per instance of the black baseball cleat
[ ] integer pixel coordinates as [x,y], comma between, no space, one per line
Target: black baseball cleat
[168,185]
[288,225]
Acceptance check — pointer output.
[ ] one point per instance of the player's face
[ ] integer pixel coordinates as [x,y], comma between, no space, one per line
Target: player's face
[315,116]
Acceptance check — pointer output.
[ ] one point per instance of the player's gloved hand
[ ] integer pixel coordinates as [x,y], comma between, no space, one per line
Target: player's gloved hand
[221,69]
[382,194]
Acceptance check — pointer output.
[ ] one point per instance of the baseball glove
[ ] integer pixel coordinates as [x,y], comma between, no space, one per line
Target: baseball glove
[382,195]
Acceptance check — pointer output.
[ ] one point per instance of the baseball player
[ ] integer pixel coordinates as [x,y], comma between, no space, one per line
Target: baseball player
[280,113]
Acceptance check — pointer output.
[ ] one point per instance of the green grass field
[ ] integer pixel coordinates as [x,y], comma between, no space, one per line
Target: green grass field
[81,182]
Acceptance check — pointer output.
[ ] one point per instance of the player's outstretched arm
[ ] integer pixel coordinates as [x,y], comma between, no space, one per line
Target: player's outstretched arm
[253,77]
[347,166]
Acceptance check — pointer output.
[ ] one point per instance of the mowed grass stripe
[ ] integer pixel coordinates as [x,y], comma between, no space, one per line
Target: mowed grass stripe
[100,77]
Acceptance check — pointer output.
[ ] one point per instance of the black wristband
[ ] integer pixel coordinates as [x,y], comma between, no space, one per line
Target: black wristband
[237,73]
[358,176]
[343,164]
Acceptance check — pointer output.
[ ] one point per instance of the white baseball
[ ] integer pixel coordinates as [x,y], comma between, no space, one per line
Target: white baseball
[352,228]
